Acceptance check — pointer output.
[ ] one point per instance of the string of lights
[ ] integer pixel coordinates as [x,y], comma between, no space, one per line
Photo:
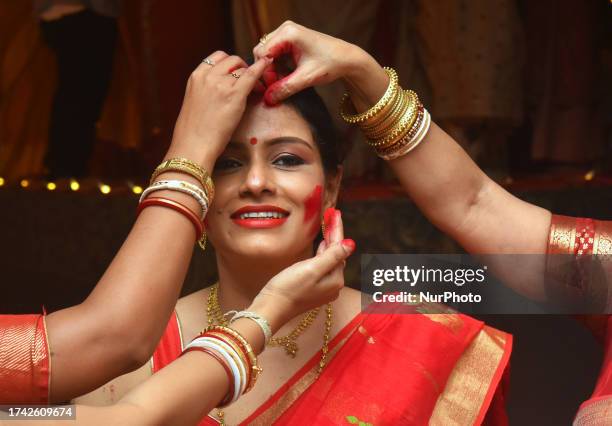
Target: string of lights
[86,185]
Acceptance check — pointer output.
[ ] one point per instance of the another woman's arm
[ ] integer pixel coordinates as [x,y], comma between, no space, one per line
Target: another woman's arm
[117,327]
[447,186]
[188,388]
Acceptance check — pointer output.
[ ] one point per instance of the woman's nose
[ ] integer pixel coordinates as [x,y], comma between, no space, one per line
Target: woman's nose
[258,181]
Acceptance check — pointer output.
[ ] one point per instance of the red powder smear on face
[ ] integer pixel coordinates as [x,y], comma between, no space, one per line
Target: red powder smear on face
[312,209]
[253,141]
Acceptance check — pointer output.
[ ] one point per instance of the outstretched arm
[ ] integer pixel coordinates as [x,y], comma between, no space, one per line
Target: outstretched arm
[117,327]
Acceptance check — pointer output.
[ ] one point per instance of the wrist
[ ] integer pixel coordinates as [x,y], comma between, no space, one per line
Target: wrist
[365,80]
[274,312]
[205,156]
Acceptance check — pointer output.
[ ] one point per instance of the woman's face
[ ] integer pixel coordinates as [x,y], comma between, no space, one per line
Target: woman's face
[270,187]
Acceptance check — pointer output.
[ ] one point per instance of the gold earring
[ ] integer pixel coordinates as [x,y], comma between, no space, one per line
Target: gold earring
[202,241]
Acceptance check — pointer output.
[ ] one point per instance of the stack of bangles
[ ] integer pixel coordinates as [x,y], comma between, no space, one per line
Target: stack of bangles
[234,354]
[396,124]
[203,194]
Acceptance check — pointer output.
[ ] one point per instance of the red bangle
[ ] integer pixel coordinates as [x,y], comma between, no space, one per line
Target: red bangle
[228,371]
[176,206]
[244,356]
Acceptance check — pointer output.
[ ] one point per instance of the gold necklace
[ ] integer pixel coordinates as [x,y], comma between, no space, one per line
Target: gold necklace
[213,309]
[215,317]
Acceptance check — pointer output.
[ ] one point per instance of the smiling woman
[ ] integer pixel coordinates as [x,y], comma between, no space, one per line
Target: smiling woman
[276,181]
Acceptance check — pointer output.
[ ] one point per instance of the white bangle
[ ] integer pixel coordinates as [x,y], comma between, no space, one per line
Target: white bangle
[416,140]
[261,322]
[180,186]
[213,344]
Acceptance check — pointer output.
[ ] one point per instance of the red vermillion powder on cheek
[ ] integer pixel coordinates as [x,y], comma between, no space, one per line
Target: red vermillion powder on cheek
[312,209]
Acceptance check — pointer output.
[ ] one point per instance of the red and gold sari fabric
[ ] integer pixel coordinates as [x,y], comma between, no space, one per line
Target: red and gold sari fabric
[431,366]
[584,239]
[24,360]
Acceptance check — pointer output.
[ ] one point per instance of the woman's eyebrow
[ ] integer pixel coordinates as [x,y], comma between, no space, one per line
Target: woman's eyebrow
[271,142]
[289,139]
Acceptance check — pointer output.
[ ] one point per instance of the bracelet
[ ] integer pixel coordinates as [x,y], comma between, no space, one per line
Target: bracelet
[246,347]
[189,167]
[206,343]
[238,350]
[404,124]
[259,320]
[382,102]
[180,186]
[399,105]
[424,129]
[230,377]
[407,137]
[231,351]
[176,206]
[384,114]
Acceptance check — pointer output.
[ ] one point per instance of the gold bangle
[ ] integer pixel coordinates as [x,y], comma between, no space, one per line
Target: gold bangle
[392,120]
[238,350]
[407,137]
[384,113]
[240,358]
[189,167]
[256,369]
[382,102]
[402,127]
[414,142]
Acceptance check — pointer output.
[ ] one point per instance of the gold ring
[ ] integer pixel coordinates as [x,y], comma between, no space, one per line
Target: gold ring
[233,74]
[263,38]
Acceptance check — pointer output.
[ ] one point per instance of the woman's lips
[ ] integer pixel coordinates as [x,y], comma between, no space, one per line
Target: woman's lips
[258,222]
[276,216]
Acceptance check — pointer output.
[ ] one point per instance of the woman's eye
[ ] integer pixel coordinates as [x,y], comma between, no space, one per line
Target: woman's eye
[288,160]
[226,163]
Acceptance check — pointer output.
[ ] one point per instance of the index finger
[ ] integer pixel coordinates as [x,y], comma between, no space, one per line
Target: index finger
[253,73]
[323,263]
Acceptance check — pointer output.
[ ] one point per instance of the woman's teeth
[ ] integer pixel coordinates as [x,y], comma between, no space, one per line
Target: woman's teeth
[262,215]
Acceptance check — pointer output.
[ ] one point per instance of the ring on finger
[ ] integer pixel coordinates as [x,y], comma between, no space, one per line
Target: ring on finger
[208,62]
[233,74]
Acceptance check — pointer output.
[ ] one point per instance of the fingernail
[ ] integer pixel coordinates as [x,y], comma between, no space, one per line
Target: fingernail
[349,245]
[269,59]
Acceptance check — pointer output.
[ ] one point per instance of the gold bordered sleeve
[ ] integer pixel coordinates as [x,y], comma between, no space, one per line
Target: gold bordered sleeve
[24,360]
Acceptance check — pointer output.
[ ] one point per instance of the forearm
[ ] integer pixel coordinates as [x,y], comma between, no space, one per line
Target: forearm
[203,384]
[117,327]
[448,187]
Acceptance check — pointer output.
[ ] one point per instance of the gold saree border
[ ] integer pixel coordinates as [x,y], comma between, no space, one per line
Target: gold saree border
[48,346]
[472,383]
[595,413]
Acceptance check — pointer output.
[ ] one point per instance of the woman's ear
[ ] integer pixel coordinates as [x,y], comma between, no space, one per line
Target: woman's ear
[332,188]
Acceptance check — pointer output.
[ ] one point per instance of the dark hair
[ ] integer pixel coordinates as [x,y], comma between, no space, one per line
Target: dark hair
[311,107]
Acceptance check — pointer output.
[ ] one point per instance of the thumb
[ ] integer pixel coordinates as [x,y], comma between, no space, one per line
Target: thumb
[282,88]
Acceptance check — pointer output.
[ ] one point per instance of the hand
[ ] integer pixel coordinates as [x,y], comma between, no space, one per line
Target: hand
[214,103]
[306,284]
[318,58]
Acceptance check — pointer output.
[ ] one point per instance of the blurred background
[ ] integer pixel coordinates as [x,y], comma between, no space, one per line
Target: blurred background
[90,91]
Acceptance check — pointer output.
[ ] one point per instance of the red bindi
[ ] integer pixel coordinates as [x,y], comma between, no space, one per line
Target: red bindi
[253,141]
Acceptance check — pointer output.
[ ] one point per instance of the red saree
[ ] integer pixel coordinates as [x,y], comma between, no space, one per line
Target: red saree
[24,360]
[436,368]
[586,237]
